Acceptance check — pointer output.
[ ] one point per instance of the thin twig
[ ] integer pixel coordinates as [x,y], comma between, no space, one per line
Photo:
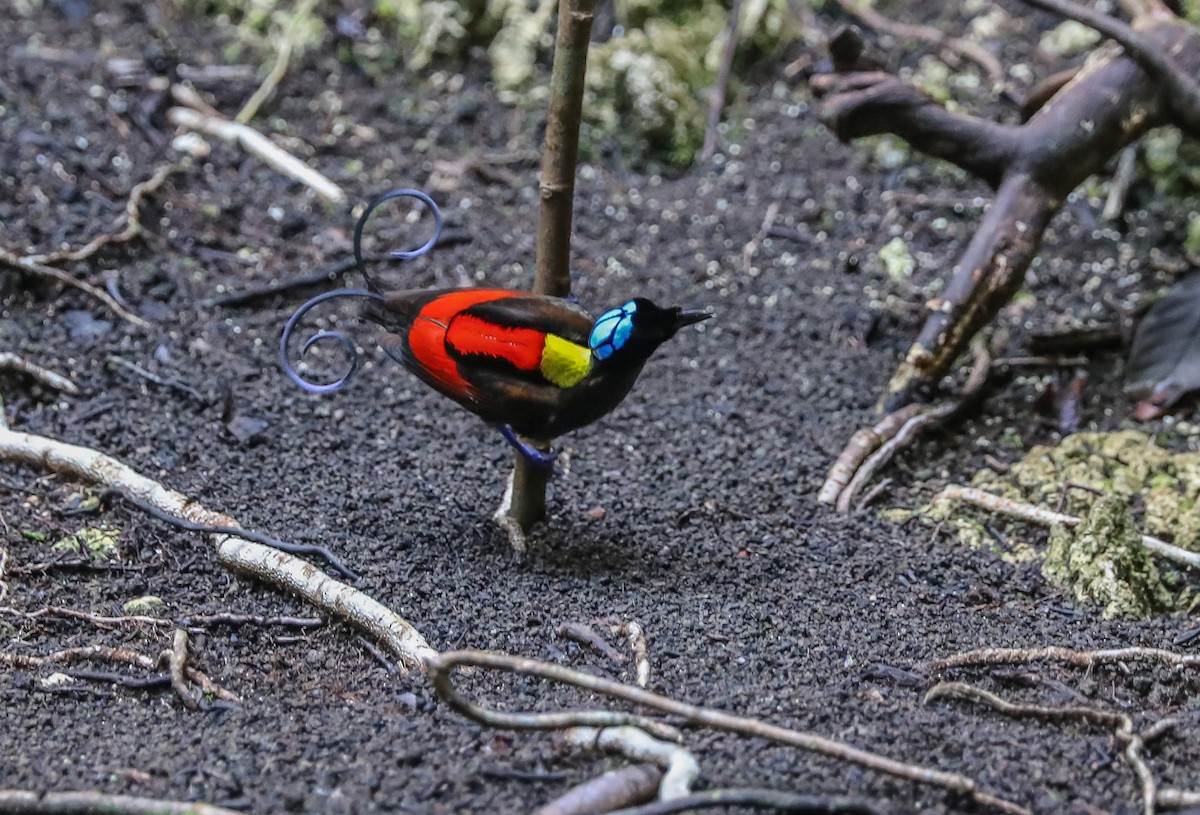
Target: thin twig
[132,228]
[24,802]
[172,384]
[716,101]
[1066,656]
[751,247]
[921,33]
[1121,723]
[586,635]
[1045,517]
[440,667]
[23,264]
[50,379]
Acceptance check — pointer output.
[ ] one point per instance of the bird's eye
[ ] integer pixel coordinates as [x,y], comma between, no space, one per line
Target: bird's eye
[612,330]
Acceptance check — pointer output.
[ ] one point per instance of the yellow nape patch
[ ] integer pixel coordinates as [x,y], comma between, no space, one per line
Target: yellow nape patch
[563,362]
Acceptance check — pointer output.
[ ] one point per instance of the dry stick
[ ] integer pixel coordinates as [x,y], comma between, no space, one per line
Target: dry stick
[616,789]
[1034,166]
[7,258]
[23,802]
[1182,90]
[288,37]
[177,657]
[524,501]
[1120,722]
[754,798]
[1046,517]
[751,247]
[896,431]
[1066,656]
[12,362]
[119,656]
[440,666]
[1114,204]
[633,631]
[716,102]
[133,221]
[257,144]
[586,635]
[681,767]
[922,33]
[272,566]
[1170,798]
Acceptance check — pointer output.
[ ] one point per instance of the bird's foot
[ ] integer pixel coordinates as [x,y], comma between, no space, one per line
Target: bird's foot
[533,455]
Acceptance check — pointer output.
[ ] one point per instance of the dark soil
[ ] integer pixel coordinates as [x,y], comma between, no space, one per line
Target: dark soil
[691,509]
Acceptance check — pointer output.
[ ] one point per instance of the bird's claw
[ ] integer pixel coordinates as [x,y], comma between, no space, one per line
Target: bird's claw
[533,455]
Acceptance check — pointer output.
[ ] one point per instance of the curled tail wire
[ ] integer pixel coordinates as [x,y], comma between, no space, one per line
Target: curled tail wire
[373,291]
[342,339]
[403,254]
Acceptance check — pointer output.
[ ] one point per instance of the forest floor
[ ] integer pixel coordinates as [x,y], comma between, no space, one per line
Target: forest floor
[690,510]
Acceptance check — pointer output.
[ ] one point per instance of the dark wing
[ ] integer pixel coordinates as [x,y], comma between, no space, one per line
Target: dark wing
[549,315]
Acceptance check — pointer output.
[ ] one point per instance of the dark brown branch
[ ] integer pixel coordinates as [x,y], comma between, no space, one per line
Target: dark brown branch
[716,102]
[1034,166]
[525,503]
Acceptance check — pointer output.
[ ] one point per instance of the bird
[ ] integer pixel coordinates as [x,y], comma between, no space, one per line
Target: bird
[531,365]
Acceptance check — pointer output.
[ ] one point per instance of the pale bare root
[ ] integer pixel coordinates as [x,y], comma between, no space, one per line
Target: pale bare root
[23,802]
[272,566]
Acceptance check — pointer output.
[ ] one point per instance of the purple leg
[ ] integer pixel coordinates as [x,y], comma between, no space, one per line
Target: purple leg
[535,457]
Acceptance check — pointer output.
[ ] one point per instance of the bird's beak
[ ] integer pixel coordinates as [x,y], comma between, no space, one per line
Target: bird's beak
[690,317]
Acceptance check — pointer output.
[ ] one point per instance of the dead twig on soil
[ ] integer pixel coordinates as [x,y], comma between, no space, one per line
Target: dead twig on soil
[12,362]
[524,500]
[754,798]
[247,557]
[1121,723]
[636,635]
[716,101]
[41,264]
[680,767]
[115,656]
[928,34]
[616,789]
[441,666]
[287,43]
[24,802]
[1046,517]
[177,657]
[259,145]
[1066,656]
[870,450]
[586,635]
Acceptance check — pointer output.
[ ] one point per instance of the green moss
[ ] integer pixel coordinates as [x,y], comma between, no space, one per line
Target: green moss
[101,542]
[1103,562]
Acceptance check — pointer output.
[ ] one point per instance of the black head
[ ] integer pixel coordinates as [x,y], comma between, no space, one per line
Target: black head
[633,331]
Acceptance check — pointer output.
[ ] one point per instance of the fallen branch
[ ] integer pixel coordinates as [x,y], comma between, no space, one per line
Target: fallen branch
[680,766]
[12,362]
[259,145]
[1121,723]
[177,658]
[586,635]
[1066,656]
[441,666]
[1046,517]
[23,802]
[615,789]
[928,34]
[753,798]
[272,566]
